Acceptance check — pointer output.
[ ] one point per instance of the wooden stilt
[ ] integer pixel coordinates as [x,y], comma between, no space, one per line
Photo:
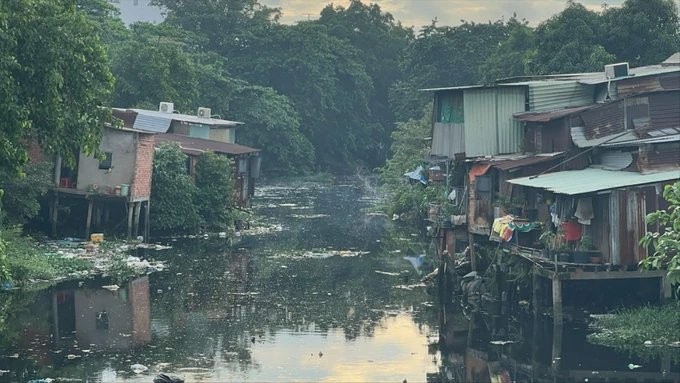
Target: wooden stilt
[90,203]
[146,221]
[471,246]
[665,291]
[55,213]
[130,213]
[557,343]
[138,210]
[557,297]
[536,293]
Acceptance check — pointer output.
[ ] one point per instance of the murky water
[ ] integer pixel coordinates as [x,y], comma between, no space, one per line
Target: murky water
[318,290]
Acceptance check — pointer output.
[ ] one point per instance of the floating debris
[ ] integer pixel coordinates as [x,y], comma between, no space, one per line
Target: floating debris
[632,366]
[309,216]
[111,287]
[139,368]
[502,342]
[386,273]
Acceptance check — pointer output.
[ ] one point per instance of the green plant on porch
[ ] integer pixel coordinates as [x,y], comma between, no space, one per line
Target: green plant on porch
[665,242]
[585,243]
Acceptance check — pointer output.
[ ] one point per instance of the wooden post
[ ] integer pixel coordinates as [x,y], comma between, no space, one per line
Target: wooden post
[665,292]
[57,171]
[557,297]
[55,213]
[146,221]
[138,210]
[90,203]
[471,246]
[536,292]
[130,213]
[557,343]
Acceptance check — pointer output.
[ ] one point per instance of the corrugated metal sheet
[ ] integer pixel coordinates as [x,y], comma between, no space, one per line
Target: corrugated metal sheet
[590,180]
[643,71]
[615,160]
[552,95]
[664,109]
[604,120]
[448,139]
[159,124]
[660,156]
[509,101]
[634,85]
[200,145]
[550,115]
[525,161]
[578,135]
[480,122]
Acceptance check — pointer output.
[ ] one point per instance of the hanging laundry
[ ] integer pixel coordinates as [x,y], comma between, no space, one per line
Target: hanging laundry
[584,210]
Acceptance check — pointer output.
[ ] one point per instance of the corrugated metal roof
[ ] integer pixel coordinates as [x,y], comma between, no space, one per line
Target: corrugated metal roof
[643,141]
[159,122]
[550,115]
[591,180]
[674,59]
[551,95]
[650,70]
[525,161]
[200,145]
[627,138]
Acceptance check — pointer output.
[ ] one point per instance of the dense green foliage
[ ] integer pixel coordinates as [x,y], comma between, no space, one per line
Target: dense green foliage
[21,200]
[54,80]
[665,242]
[172,192]
[27,261]
[182,204]
[214,191]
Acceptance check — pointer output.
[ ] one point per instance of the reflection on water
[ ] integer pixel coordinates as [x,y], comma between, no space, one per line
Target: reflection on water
[303,302]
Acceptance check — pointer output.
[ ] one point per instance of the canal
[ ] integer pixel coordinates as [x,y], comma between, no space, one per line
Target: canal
[321,288]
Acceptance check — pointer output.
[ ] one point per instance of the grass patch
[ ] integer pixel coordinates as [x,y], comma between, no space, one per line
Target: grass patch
[629,329]
[30,261]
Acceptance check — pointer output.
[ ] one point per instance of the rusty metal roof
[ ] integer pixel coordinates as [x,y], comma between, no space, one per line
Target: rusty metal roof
[550,115]
[514,163]
[593,179]
[197,146]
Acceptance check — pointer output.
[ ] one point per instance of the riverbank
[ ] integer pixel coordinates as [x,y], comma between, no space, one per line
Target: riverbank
[35,262]
[645,331]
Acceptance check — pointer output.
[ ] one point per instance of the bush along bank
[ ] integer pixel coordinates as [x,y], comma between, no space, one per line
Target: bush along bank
[647,332]
[30,262]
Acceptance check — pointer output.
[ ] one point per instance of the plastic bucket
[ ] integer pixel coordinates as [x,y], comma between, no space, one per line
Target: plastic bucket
[124,189]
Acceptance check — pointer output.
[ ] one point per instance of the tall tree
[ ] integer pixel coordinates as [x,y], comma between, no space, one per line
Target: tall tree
[380,41]
[54,80]
[442,56]
[570,42]
[642,32]
[513,56]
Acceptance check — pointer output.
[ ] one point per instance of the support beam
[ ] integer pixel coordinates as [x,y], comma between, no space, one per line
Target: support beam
[557,299]
[536,292]
[138,210]
[55,213]
[473,258]
[90,203]
[130,213]
[146,221]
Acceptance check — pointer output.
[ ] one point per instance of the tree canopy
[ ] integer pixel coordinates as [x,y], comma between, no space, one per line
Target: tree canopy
[55,82]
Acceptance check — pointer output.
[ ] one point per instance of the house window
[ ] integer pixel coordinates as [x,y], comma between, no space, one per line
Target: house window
[106,162]
[637,113]
[102,320]
[483,188]
[450,108]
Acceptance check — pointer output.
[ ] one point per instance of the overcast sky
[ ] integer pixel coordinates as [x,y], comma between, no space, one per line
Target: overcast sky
[448,12]
[415,13]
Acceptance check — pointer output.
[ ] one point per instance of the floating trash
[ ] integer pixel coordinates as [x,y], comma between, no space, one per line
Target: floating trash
[139,368]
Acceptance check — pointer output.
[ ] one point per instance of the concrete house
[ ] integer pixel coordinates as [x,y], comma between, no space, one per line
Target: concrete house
[119,184]
[196,134]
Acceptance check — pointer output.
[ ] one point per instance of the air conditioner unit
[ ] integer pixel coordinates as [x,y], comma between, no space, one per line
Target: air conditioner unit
[166,107]
[616,70]
[203,112]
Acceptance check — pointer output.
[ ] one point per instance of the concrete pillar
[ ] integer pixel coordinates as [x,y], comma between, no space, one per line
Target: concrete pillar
[88,224]
[137,212]
[146,221]
[130,213]
[557,298]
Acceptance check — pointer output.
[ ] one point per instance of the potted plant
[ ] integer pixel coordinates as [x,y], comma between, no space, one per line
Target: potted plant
[590,253]
[563,253]
[548,239]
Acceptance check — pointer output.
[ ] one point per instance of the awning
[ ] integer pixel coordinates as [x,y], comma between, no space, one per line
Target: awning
[590,180]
